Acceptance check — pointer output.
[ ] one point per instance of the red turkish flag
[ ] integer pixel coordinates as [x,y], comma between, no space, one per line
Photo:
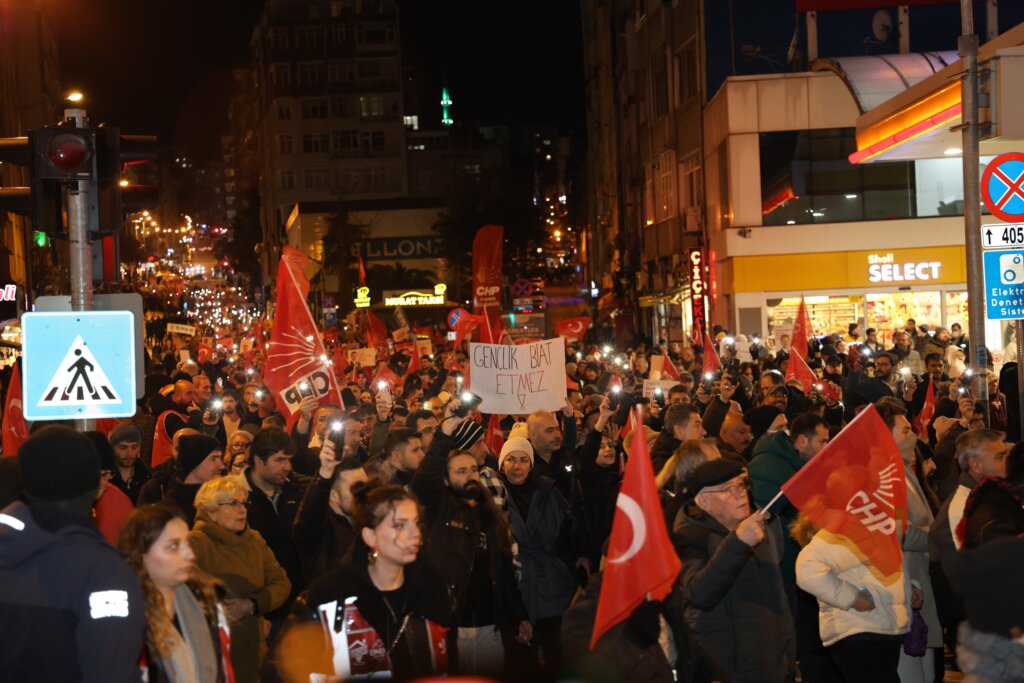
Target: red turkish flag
[14,425]
[642,564]
[856,488]
[712,363]
[493,438]
[572,329]
[669,370]
[801,330]
[799,370]
[466,326]
[927,410]
[376,332]
[296,352]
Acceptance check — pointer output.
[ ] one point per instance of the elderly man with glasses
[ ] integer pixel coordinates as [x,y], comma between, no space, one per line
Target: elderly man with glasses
[732,587]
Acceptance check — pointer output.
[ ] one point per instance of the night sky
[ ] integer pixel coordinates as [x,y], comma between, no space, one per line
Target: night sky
[165,67]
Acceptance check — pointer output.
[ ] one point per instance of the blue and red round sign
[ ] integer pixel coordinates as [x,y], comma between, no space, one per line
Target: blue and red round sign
[522,289]
[1002,187]
[455,315]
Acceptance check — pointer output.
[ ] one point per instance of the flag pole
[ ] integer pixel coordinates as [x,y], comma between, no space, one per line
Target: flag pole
[764,510]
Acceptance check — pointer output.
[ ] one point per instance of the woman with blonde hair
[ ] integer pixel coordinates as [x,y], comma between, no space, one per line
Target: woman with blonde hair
[186,630]
[229,550]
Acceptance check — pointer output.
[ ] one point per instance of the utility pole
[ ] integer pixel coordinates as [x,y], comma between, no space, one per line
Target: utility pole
[81,195]
[968,50]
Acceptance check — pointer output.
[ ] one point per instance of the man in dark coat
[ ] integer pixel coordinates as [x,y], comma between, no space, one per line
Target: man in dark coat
[732,587]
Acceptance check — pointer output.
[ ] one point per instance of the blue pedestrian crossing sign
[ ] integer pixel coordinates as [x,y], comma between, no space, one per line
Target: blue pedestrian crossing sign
[78,365]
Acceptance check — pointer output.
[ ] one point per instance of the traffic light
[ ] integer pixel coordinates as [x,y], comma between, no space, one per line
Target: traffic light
[59,155]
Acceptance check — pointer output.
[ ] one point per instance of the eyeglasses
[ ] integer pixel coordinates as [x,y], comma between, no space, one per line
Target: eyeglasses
[235,503]
[738,489]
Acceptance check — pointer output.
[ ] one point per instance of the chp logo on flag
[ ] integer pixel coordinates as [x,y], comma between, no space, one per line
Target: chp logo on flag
[316,384]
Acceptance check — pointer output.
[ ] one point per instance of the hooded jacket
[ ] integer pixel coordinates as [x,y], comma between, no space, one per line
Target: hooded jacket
[775,461]
[59,624]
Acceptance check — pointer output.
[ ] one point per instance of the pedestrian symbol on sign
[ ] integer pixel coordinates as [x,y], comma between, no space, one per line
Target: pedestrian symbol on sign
[79,380]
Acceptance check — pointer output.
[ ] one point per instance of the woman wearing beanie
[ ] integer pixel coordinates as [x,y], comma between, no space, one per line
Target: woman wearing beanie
[227,549]
[186,629]
[200,459]
[540,524]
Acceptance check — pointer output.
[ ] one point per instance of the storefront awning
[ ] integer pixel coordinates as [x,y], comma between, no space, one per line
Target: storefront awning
[920,121]
[875,79]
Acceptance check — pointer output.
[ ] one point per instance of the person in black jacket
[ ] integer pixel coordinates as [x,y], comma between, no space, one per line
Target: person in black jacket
[469,542]
[70,608]
[600,479]
[323,532]
[382,613]
[273,502]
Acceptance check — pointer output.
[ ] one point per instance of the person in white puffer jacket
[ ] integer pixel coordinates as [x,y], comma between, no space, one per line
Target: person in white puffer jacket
[863,617]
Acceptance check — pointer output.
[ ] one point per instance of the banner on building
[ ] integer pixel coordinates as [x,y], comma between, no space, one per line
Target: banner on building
[517,380]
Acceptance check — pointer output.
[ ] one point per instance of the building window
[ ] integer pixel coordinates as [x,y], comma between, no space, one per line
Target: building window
[371,106]
[353,179]
[288,180]
[337,34]
[307,36]
[314,108]
[316,178]
[373,141]
[371,6]
[659,87]
[278,37]
[665,204]
[375,34]
[310,73]
[343,141]
[340,8]
[315,143]
[284,144]
[281,74]
[284,112]
[690,182]
[342,106]
[368,69]
[688,73]
[379,177]
[340,72]
[411,122]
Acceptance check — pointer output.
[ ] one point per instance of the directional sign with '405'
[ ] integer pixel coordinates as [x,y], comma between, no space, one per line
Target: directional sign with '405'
[1002,236]
[78,365]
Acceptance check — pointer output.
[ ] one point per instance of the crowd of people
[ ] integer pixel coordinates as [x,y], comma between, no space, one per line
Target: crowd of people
[396,532]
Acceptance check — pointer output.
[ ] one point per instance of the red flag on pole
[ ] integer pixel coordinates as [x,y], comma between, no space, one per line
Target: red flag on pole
[669,370]
[487,277]
[573,329]
[801,330]
[493,438]
[362,272]
[712,363]
[642,564]
[296,360]
[14,425]
[856,488]
[927,410]
[799,370]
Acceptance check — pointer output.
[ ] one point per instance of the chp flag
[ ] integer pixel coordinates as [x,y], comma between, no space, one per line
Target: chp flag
[487,277]
[296,365]
[856,488]
[642,564]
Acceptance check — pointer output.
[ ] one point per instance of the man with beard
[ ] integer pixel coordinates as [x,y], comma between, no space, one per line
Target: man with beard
[403,453]
[130,473]
[468,540]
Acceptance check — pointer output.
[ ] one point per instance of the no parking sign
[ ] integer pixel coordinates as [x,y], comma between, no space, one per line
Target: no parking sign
[1001,187]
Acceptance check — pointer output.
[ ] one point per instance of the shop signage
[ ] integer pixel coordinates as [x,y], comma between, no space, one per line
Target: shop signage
[698,288]
[362,298]
[418,299]
[885,268]
[398,248]
[1004,284]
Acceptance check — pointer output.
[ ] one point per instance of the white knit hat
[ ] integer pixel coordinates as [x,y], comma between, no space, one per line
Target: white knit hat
[515,443]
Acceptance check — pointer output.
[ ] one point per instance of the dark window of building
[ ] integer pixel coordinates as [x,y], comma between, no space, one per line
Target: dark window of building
[315,143]
[689,78]
[659,87]
[807,177]
[314,108]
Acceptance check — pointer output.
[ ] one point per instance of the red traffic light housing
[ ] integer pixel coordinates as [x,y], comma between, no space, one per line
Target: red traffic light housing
[63,153]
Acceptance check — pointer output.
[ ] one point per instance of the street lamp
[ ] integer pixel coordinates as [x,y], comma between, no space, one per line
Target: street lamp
[75,96]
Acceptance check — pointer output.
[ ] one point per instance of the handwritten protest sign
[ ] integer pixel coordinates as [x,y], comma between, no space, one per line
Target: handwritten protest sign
[650,385]
[517,380]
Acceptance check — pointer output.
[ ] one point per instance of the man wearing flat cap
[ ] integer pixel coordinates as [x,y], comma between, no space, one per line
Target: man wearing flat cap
[731,584]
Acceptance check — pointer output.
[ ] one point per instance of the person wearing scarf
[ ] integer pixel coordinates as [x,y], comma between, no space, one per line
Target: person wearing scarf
[186,630]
